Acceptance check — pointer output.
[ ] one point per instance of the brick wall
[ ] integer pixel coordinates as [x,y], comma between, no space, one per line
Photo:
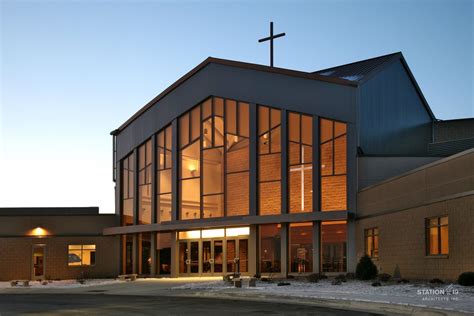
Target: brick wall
[17,259]
[402,240]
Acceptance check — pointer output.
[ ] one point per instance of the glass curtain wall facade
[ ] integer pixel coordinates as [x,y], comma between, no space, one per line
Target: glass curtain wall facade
[163,175]
[269,161]
[214,160]
[333,152]
[128,189]
[213,174]
[144,183]
[300,156]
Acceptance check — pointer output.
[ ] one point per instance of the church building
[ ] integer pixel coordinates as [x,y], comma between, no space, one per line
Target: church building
[238,167]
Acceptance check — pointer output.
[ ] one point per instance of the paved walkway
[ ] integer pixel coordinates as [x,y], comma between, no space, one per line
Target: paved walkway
[81,304]
[213,288]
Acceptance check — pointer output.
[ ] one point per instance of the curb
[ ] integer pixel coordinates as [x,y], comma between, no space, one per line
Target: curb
[344,304]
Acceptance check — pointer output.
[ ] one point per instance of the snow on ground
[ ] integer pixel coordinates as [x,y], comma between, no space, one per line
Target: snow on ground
[455,297]
[66,284]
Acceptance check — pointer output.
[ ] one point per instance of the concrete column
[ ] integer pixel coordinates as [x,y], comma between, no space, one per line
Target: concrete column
[316,247]
[284,249]
[351,245]
[284,162]
[253,163]
[135,254]
[153,268]
[253,250]
[174,171]
[174,255]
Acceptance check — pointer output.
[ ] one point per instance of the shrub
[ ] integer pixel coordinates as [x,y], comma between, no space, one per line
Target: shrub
[341,277]
[366,269]
[313,278]
[466,279]
[376,284]
[350,276]
[436,281]
[404,281]
[384,277]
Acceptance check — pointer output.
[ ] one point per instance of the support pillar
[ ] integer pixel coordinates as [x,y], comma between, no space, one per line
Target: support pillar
[253,251]
[284,249]
[153,268]
[174,255]
[316,247]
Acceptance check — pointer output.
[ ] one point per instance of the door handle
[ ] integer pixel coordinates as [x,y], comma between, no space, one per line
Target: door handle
[211,261]
[188,261]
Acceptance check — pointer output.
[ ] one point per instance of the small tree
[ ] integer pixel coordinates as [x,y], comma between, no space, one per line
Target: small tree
[366,269]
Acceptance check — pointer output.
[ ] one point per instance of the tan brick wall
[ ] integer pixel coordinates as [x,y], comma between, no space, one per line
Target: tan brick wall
[440,180]
[16,253]
[399,207]
[402,240]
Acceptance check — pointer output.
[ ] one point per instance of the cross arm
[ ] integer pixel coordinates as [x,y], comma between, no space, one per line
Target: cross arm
[271,37]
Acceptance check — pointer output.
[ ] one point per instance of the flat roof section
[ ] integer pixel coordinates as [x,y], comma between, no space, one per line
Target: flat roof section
[49,211]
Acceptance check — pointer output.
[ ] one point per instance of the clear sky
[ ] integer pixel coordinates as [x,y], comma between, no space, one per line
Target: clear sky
[72,71]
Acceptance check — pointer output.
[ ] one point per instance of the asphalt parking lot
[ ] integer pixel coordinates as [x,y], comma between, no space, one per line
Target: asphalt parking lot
[100,304]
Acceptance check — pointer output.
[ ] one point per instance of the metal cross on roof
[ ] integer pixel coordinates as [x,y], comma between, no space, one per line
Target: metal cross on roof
[271,38]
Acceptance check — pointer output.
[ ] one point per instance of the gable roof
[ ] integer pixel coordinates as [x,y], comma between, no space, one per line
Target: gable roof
[363,70]
[358,70]
[238,64]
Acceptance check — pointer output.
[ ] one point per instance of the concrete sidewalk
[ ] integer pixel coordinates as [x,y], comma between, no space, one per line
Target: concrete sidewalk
[348,297]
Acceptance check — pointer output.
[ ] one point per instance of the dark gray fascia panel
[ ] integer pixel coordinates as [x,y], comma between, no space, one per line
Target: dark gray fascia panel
[331,100]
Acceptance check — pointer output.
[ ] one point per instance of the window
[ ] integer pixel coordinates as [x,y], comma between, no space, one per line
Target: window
[144,183]
[269,160]
[333,157]
[371,237]
[81,255]
[128,180]
[237,158]
[300,173]
[163,175]
[163,252]
[144,253]
[437,236]
[127,254]
[270,248]
[214,160]
[301,247]
[333,246]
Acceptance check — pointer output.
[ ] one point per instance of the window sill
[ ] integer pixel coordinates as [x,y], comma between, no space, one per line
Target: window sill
[437,257]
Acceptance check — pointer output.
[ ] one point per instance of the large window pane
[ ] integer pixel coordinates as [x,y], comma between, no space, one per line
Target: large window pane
[128,175]
[333,246]
[213,206]
[163,252]
[270,248]
[237,194]
[333,155]
[144,253]
[190,199]
[213,171]
[270,198]
[190,161]
[301,247]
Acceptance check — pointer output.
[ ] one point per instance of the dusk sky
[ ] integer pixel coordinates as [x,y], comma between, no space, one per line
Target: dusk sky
[72,71]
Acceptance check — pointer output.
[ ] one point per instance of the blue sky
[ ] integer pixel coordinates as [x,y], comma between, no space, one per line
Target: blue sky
[72,71]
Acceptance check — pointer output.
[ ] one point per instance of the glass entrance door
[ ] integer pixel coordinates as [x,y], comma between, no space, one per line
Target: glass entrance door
[188,257]
[38,261]
[237,255]
[213,257]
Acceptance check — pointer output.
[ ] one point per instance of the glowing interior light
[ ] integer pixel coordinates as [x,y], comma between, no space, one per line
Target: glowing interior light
[192,234]
[265,136]
[236,139]
[237,231]
[212,233]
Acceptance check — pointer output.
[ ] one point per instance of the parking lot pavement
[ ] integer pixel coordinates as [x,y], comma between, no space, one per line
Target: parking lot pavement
[99,304]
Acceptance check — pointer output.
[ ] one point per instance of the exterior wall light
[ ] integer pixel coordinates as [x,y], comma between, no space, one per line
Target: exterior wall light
[39,232]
